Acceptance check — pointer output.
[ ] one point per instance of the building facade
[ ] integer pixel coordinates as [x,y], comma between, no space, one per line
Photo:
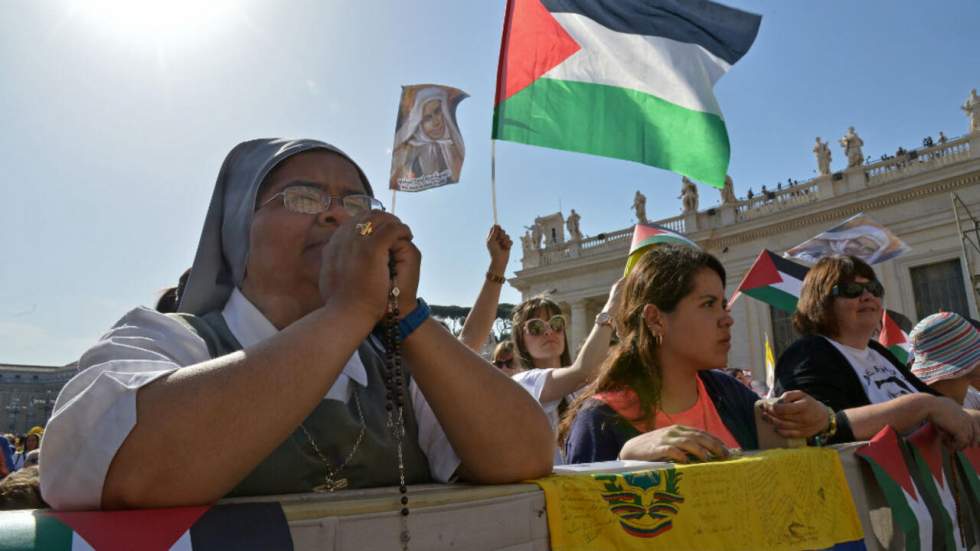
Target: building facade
[28,393]
[925,196]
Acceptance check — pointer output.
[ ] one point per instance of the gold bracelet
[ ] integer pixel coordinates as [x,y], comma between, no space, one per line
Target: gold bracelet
[832,428]
[496,278]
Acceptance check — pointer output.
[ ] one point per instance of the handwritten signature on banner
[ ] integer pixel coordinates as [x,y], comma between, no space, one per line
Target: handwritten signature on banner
[753,502]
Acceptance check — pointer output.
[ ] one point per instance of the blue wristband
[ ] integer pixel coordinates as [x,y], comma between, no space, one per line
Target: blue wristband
[414,319]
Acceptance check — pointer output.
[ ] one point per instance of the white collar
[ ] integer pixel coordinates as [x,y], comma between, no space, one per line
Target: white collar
[250,327]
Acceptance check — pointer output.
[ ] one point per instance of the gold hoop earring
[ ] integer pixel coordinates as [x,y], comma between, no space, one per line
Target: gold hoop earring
[659,338]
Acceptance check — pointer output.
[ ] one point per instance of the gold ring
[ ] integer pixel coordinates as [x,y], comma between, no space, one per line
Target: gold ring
[365,229]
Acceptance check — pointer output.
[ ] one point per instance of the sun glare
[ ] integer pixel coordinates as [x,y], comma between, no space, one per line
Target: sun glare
[168,23]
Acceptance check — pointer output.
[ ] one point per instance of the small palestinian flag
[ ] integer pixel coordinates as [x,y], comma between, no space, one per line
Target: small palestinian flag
[648,235]
[773,280]
[969,461]
[893,338]
[928,454]
[628,79]
[909,511]
[247,526]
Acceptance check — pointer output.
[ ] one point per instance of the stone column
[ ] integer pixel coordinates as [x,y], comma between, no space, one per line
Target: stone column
[580,327]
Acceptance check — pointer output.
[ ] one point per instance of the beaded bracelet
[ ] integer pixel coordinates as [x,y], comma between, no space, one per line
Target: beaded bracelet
[825,436]
[496,278]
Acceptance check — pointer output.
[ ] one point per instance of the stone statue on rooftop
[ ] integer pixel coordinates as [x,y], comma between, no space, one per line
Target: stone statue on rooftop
[689,195]
[534,234]
[572,224]
[852,143]
[728,192]
[640,207]
[527,243]
[822,151]
[972,110]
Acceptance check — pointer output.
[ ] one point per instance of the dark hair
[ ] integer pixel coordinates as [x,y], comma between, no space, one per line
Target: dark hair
[525,311]
[503,347]
[663,276]
[815,310]
[21,490]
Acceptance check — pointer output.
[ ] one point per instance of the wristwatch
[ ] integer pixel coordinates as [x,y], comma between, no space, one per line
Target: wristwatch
[604,319]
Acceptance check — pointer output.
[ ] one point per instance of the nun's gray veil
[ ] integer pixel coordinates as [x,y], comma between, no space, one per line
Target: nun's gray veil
[219,265]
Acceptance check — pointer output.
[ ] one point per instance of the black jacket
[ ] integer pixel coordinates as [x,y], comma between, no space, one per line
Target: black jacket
[812,364]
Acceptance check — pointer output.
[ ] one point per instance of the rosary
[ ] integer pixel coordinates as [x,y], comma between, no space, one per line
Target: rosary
[394,377]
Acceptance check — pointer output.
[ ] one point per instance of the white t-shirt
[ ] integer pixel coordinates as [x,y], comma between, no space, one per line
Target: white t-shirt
[533,381]
[881,380]
[96,409]
[972,399]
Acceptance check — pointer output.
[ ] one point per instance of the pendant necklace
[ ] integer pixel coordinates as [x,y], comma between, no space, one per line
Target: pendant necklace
[330,481]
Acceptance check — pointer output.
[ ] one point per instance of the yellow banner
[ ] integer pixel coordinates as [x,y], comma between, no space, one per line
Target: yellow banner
[777,499]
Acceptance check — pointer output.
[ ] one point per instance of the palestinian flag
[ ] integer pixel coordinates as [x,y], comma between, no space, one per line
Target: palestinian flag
[648,235]
[248,526]
[969,460]
[773,280]
[629,79]
[909,511]
[893,338]
[927,452]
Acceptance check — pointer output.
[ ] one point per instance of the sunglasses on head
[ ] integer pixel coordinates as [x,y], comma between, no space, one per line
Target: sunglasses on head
[504,364]
[537,327]
[855,289]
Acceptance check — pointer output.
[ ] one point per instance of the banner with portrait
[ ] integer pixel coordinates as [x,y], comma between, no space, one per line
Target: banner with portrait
[859,235]
[428,151]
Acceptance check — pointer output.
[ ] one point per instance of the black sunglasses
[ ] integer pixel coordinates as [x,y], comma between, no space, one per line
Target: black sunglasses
[855,289]
[501,364]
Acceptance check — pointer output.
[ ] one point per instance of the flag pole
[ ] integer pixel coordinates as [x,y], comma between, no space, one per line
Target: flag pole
[493,178]
[393,192]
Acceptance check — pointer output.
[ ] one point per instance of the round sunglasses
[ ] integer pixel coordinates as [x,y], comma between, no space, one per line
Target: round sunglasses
[537,327]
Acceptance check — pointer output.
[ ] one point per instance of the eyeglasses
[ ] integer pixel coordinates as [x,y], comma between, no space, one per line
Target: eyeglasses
[855,289]
[537,327]
[504,364]
[311,200]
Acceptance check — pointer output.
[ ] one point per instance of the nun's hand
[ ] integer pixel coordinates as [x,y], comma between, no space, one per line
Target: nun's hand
[355,272]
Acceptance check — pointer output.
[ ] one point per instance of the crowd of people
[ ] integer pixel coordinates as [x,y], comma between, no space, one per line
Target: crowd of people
[295,356]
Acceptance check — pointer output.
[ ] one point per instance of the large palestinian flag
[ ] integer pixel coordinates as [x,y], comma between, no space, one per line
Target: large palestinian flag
[909,510]
[927,451]
[246,526]
[629,79]
[773,280]
[648,235]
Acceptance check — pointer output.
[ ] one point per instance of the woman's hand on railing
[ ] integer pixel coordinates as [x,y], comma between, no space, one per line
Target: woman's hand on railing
[797,415]
[675,443]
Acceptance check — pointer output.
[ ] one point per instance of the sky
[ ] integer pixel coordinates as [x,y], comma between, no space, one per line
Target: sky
[115,116]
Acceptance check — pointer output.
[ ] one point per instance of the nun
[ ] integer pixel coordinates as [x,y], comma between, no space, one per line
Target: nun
[276,375]
[428,145]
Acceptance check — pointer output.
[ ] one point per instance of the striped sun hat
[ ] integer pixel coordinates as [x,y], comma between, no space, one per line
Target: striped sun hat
[946,346]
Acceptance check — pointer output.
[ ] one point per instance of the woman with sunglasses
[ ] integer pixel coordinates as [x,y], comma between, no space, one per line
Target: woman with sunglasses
[503,358]
[661,394]
[547,371]
[837,362]
[269,380]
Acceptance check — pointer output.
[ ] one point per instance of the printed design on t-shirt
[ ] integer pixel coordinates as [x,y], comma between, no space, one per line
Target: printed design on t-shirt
[883,378]
[645,503]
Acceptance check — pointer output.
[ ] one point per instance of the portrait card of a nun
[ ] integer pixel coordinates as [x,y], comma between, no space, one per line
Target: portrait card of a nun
[428,150]
[859,236]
